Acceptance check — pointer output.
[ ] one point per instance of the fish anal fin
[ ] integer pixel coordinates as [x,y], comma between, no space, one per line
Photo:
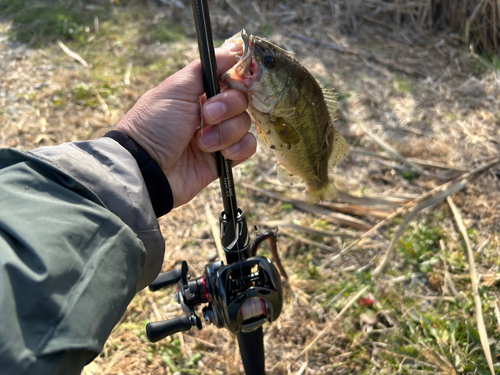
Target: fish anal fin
[285,177]
[340,149]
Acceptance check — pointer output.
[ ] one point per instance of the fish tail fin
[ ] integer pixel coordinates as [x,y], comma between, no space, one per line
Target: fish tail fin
[328,192]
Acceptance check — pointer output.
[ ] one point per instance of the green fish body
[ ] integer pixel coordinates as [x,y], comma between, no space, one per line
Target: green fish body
[293,115]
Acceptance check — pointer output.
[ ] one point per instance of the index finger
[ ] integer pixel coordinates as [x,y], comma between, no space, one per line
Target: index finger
[189,81]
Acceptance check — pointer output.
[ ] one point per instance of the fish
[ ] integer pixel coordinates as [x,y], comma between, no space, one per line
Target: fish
[293,115]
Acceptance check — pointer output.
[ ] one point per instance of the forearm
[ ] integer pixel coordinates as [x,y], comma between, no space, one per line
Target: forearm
[78,237]
[111,172]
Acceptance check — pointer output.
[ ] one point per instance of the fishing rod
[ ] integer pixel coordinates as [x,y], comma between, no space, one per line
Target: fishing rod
[246,292]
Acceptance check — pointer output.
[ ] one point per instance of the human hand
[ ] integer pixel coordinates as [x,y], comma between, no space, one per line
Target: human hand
[165,122]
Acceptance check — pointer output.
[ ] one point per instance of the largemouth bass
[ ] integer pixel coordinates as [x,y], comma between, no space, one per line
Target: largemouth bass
[293,115]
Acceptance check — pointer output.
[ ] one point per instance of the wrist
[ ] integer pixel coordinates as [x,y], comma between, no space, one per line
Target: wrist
[160,192]
[145,141]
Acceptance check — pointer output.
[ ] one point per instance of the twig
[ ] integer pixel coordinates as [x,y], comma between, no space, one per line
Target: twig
[96,24]
[328,328]
[403,278]
[366,200]
[417,361]
[326,214]
[434,298]
[485,243]
[72,54]
[383,155]
[335,299]
[206,343]
[497,314]
[358,52]
[483,335]
[375,199]
[100,99]
[128,71]
[78,58]
[402,228]
[392,151]
[465,177]
[476,10]
[448,281]
[156,310]
[380,212]
[440,360]
[303,368]
[302,228]
[307,241]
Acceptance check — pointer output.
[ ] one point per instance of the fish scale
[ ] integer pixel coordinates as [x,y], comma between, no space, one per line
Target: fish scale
[293,115]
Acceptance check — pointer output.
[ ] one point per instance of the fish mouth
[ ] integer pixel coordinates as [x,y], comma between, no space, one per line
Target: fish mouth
[245,72]
[247,65]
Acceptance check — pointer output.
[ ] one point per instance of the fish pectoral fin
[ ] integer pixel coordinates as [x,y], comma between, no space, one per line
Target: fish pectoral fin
[331,102]
[285,177]
[287,101]
[282,105]
[282,111]
[340,149]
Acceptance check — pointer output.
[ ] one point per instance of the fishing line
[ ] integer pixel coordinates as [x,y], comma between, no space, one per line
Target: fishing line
[233,209]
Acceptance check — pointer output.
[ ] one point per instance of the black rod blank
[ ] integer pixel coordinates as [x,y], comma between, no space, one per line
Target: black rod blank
[212,88]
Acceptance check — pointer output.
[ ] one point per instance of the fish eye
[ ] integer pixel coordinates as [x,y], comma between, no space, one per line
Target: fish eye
[269,61]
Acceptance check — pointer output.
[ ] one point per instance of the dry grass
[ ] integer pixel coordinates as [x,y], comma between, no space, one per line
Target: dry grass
[436,105]
[468,21]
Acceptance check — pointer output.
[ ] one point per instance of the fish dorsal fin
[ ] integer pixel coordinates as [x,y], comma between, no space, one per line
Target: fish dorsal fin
[340,148]
[330,97]
[330,94]
[276,47]
[286,177]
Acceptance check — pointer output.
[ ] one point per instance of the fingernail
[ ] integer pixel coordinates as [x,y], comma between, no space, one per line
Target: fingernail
[231,150]
[209,140]
[232,46]
[215,111]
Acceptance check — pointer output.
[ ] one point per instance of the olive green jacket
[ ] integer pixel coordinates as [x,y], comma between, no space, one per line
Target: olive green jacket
[78,237]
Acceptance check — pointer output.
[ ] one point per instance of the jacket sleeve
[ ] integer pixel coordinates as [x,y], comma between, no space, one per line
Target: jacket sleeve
[78,238]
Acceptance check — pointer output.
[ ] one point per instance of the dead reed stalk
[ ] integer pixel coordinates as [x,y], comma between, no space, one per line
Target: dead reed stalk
[474,22]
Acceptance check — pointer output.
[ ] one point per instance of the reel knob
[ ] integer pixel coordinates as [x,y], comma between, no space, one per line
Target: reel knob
[155,331]
[165,279]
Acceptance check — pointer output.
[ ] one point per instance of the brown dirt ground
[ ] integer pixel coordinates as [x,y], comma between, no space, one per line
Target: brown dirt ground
[446,111]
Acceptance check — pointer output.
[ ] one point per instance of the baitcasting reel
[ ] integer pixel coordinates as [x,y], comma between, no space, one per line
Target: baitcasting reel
[240,296]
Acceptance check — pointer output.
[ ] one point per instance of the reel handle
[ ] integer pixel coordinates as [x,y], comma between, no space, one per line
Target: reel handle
[165,279]
[155,331]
